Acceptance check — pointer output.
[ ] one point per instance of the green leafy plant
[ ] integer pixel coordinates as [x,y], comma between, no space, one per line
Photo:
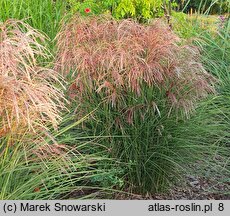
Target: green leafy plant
[140,9]
[184,26]
[137,8]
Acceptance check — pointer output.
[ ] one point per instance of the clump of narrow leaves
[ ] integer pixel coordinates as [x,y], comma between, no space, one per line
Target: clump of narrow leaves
[140,82]
[29,93]
[47,169]
[115,57]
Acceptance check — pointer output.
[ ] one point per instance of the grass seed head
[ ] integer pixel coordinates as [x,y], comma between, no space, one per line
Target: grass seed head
[115,57]
[29,96]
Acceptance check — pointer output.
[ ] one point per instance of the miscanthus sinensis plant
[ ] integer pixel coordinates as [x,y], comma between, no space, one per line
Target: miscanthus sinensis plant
[29,92]
[143,81]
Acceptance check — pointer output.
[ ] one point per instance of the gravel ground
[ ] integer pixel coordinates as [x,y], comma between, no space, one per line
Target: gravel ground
[199,188]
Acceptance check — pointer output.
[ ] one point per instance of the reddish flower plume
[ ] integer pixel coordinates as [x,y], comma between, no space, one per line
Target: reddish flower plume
[118,57]
[87,10]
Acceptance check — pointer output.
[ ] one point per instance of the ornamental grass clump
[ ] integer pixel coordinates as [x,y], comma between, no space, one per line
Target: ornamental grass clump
[142,84]
[29,94]
[46,167]
[113,58]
